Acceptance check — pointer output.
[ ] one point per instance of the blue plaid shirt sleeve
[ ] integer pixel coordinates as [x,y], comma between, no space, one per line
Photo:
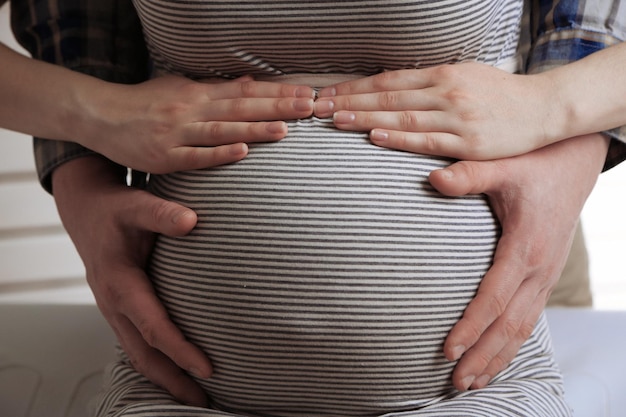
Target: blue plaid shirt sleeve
[95,37]
[564,31]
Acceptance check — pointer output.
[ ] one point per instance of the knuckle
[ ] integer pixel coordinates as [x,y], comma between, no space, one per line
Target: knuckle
[347,103]
[174,110]
[108,296]
[471,331]
[474,332]
[431,145]
[248,88]
[525,331]
[140,363]
[192,157]
[161,211]
[458,97]
[281,106]
[510,328]
[239,105]
[482,359]
[148,332]
[214,130]
[498,363]
[193,89]
[400,141]
[382,80]
[387,100]
[498,305]
[444,73]
[408,120]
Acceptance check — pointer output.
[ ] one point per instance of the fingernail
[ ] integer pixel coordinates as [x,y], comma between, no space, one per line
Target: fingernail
[303,104]
[481,381]
[305,92]
[467,381]
[327,92]
[379,136]
[324,108]
[457,352]
[447,174]
[344,117]
[276,127]
[179,215]
[198,374]
[238,149]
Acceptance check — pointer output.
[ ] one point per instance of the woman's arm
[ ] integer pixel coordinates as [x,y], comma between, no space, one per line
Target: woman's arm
[592,92]
[40,99]
[474,111]
[161,125]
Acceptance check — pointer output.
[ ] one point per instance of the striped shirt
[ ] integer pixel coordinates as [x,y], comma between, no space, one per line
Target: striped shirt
[325,272]
[222,38]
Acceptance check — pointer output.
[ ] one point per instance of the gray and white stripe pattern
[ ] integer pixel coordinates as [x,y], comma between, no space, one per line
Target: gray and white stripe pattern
[231,38]
[325,273]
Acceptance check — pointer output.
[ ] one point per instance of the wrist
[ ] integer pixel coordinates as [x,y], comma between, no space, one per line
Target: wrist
[88,110]
[86,174]
[558,107]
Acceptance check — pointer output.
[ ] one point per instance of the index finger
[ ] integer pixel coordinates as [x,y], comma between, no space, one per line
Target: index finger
[145,311]
[494,294]
[385,81]
[246,88]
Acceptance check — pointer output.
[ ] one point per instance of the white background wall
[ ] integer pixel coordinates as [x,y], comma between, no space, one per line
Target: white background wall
[37,258]
[38,261]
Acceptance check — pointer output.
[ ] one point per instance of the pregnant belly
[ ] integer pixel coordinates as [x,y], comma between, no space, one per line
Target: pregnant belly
[323,275]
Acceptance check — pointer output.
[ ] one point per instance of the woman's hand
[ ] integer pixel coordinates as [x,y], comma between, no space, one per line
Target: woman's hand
[466,111]
[538,198]
[172,123]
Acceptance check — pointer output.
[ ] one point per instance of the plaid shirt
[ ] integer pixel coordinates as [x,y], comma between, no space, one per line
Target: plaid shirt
[103,39]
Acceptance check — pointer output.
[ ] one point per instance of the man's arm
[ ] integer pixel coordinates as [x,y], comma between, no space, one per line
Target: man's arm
[490,334]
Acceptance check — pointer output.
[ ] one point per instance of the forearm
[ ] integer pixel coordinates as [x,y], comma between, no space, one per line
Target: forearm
[102,39]
[564,31]
[591,91]
[46,100]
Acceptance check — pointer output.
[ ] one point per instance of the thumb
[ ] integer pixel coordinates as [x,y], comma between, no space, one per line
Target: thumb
[154,214]
[468,177]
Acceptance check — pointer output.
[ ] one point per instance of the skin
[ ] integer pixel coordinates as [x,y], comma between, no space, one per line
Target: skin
[93,200]
[91,191]
[473,111]
[485,340]
[531,252]
[534,245]
[162,125]
[171,134]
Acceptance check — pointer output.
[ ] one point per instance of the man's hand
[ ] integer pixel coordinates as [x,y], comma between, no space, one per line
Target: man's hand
[113,227]
[538,198]
[173,124]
